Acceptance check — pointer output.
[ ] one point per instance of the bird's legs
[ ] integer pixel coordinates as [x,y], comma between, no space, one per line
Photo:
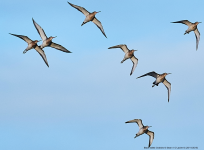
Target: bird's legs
[136,136]
[124,60]
[154,83]
[186,32]
[25,50]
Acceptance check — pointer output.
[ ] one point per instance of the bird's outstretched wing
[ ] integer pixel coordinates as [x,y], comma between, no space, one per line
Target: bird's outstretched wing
[122,46]
[135,61]
[59,47]
[42,54]
[186,22]
[151,137]
[99,25]
[81,9]
[197,35]
[153,74]
[25,38]
[40,30]
[168,86]
[138,121]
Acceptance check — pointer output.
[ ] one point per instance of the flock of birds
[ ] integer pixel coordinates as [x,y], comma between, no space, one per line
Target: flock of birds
[129,54]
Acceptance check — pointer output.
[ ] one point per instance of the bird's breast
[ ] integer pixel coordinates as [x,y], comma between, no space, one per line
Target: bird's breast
[48,41]
[91,17]
[32,44]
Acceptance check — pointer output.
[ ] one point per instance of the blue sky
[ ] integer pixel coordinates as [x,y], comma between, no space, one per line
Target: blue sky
[83,99]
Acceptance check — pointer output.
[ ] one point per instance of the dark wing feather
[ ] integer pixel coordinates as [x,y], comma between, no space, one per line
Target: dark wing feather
[99,25]
[81,9]
[168,86]
[153,74]
[151,137]
[186,22]
[25,38]
[40,30]
[122,46]
[59,47]
[42,54]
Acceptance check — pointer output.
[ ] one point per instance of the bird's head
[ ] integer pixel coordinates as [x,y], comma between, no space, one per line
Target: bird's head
[133,50]
[146,127]
[52,37]
[96,12]
[166,74]
[197,23]
[36,41]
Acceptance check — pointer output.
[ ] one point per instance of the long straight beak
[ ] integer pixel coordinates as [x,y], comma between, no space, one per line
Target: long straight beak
[55,37]
[39,40]
[98,11]
[200,22]
[168,73]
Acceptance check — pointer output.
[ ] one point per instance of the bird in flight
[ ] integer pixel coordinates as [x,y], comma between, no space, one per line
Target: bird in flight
[143,129]
[191,27]
[159,78]
[89,17]
[48,41]
[32,44]
[129,54]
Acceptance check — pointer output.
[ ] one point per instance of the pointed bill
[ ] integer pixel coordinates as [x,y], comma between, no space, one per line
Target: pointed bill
[138,121]
[99,25]
[135,62]
[197,35]
[59,47]
[42,54]
[81,9]
[168,86]
[151,137]
[40,31]
[122,46]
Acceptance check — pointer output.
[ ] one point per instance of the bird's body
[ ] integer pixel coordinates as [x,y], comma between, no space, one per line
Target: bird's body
[89,17]
[160,78]
[143,129]
[48,41]
[191,27]
[129,54]
[31,45]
